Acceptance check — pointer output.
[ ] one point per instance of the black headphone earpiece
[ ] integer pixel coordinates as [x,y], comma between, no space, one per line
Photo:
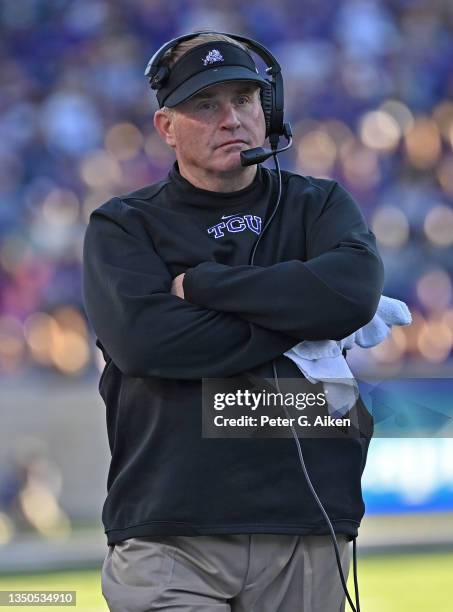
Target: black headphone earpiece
[267,102]
[160,77]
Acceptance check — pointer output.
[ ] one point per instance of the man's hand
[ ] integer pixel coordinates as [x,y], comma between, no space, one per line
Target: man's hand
[176,286]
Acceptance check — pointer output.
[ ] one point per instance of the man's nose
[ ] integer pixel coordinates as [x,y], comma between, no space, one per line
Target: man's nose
[230,117]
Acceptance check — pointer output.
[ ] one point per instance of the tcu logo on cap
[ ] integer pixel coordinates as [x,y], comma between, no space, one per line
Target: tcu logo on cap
[213,56]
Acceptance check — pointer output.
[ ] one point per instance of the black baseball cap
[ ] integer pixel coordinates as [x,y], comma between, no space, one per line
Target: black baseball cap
[205,65]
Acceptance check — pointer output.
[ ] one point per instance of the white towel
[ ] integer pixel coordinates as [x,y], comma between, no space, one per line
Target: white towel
[323,361]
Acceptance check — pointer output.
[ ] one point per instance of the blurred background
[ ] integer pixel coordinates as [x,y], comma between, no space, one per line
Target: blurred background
[369,93]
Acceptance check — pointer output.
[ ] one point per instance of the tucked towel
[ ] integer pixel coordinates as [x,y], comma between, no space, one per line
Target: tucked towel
[322,360]
[390,312]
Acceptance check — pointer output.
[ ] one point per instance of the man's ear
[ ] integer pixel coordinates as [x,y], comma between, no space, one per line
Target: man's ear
[163,122]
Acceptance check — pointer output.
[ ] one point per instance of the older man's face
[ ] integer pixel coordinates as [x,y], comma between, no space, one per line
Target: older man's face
[211,129]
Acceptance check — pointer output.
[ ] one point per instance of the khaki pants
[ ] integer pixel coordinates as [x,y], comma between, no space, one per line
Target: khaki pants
[226,573]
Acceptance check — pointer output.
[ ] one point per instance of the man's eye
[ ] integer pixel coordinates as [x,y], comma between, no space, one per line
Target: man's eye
[205,105]
[243,99]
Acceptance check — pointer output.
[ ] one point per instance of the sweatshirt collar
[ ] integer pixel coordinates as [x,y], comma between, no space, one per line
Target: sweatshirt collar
[183,192]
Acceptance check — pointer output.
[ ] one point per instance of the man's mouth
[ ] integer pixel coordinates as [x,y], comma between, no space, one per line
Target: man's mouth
[231,142]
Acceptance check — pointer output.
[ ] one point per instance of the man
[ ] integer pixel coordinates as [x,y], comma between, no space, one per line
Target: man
[194,523]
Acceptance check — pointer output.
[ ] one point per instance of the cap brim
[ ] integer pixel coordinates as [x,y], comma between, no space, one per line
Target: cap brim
[202,80]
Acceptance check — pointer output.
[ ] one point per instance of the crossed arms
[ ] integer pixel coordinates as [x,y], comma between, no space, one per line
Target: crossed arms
[232,318]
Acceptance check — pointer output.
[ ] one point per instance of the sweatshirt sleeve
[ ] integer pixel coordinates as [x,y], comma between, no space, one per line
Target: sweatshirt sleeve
[330,295]
[145,329]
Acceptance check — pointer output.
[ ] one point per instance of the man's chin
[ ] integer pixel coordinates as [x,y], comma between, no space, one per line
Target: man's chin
[230,162]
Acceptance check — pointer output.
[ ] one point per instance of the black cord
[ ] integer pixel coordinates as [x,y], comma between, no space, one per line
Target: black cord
[356,581]
[324,513]
[277,167]
[299,449]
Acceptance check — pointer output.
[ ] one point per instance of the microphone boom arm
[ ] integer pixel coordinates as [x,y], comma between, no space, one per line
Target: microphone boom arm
[260,154]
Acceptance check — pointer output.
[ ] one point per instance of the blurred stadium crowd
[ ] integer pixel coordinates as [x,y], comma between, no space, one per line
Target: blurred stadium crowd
[369,89]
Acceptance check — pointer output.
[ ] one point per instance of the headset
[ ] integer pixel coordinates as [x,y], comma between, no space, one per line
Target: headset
[272,101]
[271,94]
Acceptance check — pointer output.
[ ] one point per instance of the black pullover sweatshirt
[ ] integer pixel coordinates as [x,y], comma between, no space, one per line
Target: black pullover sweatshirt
[316,275]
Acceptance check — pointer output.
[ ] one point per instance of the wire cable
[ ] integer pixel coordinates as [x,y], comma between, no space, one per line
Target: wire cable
[324,513]
[277,167]
[355,608]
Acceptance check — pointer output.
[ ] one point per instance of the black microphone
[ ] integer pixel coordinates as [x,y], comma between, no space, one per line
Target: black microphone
[260,154]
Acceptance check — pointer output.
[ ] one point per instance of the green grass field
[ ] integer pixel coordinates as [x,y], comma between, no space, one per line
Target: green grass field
[399,583]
